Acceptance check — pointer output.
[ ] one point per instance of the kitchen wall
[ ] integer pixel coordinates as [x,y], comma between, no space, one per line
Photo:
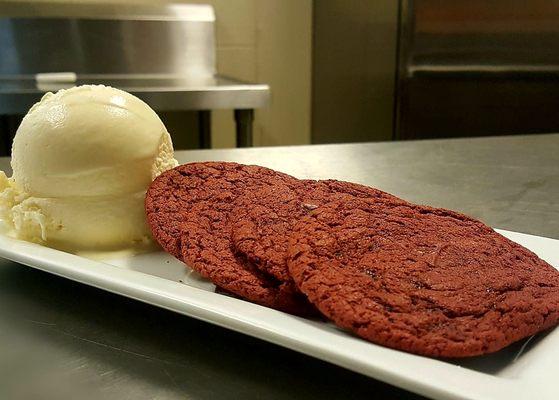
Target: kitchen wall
[268,41]
[264,41]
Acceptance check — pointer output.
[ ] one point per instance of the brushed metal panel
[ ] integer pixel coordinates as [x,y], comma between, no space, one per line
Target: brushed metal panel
[477,68]
[88,46]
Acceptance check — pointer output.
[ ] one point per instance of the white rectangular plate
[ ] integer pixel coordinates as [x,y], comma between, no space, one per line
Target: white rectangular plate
[524,370]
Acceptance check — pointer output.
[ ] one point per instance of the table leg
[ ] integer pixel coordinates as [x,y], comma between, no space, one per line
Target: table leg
[8,127]
[243,122]
[205,129]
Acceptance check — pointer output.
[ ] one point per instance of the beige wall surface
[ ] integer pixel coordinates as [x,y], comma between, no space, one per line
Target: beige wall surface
[263,41]
[267,41]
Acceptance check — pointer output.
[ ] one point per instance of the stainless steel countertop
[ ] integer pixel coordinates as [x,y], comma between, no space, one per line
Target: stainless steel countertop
[63,340]
[161,93]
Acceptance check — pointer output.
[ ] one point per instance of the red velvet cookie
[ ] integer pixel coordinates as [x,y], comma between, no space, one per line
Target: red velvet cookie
[188,212]
[425,280]
[263,218]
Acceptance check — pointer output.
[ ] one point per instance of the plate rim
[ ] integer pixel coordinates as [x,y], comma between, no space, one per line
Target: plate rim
[451,382]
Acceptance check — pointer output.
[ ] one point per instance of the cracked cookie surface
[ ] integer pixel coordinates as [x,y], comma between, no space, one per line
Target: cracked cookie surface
[188,210]
[263,218]
[420,279]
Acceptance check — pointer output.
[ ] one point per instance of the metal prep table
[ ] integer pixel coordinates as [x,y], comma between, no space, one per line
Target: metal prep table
[64,340]
[172,94]
[164,54]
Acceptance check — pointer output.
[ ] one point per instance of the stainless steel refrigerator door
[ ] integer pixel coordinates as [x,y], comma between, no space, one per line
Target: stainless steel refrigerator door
[477,67]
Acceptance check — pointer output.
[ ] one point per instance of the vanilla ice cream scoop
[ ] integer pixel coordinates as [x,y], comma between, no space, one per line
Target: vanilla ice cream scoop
[82,160]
